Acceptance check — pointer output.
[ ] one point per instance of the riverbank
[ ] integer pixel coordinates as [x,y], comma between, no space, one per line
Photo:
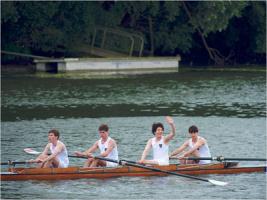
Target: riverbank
[18,68]
[30,68]
[237,68]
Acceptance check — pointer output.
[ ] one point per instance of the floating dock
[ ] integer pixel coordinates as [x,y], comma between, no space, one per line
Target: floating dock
[110,66]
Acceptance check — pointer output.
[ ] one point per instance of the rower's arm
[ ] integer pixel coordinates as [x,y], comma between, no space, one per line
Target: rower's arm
[198,144]
[44,153]
[58,149]
[172,133]
[91,149]
[88,151]
[146,150]
[180,149]
[46,149]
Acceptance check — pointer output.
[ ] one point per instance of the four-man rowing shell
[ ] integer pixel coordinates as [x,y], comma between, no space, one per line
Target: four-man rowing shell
[17,174]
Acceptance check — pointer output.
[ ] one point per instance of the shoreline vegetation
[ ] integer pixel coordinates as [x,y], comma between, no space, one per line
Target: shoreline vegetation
[30,68]
[226,33]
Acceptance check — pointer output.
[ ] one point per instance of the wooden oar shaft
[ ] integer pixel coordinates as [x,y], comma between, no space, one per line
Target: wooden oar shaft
[150,168]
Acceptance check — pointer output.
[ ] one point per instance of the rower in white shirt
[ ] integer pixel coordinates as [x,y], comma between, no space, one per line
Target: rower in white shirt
[107,147]
[197,147]
[159,144]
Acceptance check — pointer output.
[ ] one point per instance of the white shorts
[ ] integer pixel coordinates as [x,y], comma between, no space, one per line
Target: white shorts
[163,162]
[63,164]
[204,162]
[111,164]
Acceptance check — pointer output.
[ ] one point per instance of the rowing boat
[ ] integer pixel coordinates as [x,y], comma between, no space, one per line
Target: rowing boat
[20,174]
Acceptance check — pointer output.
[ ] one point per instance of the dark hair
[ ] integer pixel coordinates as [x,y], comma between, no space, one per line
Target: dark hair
[103,127]
[155,126]
[55,132]
[193,129]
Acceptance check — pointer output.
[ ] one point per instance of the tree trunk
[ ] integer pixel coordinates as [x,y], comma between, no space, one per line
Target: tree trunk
[214,54]
[151,34]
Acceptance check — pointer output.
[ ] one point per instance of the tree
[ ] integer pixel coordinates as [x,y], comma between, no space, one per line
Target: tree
[207,17]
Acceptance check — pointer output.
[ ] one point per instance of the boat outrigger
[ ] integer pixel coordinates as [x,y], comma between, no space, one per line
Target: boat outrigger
[21,174]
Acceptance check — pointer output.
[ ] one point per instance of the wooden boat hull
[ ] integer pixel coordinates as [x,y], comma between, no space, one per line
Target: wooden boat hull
[21,174]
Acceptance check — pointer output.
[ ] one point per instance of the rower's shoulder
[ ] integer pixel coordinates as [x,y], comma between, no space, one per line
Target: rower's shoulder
[112,140]
[202,139]
[60,143]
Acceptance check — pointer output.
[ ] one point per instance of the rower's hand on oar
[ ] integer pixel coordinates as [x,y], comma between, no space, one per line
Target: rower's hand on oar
[181,158]
[81,154]
[173,157]
[178,157]
[90,155]
[142,162]
[33,161]
[123,163]
[78,153]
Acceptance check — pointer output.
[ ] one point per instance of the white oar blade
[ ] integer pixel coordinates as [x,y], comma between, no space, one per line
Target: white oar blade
[218,182]
[31,151]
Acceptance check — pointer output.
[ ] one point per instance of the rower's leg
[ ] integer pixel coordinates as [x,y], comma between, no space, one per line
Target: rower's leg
[52,163]
[194,154]
[88,162]
[97,163]
[41,157]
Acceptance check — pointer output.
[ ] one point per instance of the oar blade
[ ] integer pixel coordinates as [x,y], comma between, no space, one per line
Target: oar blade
[31,151]
[220,183]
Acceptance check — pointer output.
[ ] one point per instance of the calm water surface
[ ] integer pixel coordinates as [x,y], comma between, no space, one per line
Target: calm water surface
[228,108]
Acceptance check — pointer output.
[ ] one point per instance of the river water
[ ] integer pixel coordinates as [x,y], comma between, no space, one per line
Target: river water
[228,107]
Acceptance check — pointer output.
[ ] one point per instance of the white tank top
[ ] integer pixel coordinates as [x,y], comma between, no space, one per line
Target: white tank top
[160,151]
[104,146]
[204,150]
[62,156]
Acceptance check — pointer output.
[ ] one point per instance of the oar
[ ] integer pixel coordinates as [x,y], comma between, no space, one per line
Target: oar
[33,152]
[16,162]
[221,158]
[121,162]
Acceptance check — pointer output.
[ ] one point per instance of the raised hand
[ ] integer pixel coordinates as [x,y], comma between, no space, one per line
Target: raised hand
[169,120]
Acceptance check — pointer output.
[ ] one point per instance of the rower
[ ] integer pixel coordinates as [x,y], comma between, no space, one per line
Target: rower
[159,144]
[59,155]
[107,147]
[197,147]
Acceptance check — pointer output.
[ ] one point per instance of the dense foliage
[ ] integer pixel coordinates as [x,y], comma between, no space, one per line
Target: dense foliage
[202,32]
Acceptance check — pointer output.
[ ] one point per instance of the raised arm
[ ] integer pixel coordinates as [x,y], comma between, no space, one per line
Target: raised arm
[170,136]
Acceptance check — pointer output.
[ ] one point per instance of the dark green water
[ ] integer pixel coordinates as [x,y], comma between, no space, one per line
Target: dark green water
[228,107]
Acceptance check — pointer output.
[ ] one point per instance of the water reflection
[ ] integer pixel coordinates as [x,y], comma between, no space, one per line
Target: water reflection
[186,94]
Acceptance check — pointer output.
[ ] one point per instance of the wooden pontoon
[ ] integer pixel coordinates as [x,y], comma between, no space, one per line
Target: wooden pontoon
[20,174]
